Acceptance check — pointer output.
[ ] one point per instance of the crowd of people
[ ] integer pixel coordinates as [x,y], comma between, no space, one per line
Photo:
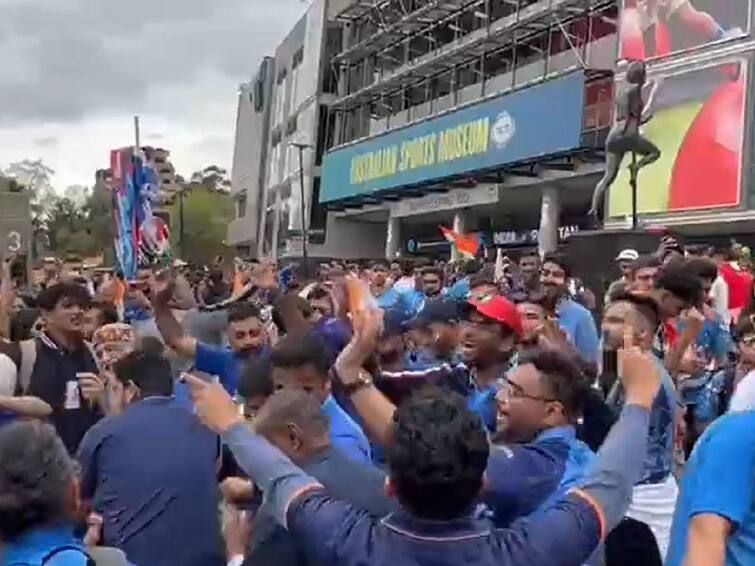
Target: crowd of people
[412,412]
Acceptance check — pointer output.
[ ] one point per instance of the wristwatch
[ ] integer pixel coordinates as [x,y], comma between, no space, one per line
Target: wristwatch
[363,380]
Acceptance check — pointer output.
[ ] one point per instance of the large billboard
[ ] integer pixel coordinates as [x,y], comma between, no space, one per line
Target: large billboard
[656,28]
[698,124]
[540,120]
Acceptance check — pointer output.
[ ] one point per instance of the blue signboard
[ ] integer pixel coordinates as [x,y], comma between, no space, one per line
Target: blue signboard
[539,120]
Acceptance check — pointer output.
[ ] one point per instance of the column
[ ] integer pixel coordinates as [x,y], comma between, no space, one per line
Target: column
[393,239]
[276,225]
[550,215]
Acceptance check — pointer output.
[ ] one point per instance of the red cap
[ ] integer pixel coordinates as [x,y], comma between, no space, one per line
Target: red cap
[501,310]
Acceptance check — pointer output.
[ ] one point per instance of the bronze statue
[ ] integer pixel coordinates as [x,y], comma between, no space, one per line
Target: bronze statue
[625,136]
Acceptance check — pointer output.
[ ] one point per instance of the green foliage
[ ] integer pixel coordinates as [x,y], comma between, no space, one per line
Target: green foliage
[207,213]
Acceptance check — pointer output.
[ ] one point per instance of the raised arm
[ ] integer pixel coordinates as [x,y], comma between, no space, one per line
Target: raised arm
[373,407]
[28,407]
[706,541]
[573,528]
[170,329]
[266,466]
[693,325]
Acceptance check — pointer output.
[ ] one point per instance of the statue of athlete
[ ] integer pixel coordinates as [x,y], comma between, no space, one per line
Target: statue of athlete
[625,137]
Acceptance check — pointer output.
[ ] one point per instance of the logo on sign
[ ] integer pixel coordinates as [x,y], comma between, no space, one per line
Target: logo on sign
[503,130]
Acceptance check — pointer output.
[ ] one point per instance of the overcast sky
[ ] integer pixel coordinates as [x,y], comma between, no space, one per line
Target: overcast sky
[75,72]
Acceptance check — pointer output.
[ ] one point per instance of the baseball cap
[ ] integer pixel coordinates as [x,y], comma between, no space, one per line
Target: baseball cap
[394,321]
[501,310]
[628,255]
[438,310]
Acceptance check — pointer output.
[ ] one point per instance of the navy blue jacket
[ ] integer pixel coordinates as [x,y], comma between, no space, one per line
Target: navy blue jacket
[359,484]
[333,532]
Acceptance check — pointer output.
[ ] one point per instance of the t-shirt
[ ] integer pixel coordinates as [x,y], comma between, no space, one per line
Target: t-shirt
[579,325]
[739,283]
[659,459]
[720,480]
[345,433]
[223,362]
[744,395]
[33,546]
[151,474]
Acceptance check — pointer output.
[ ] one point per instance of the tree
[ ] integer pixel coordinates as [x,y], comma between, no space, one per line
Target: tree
[207,213]
[37,178]
[78,194]
[212,177]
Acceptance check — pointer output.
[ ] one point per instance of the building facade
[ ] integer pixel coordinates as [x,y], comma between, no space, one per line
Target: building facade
[248,172]
[491,116]
[484,116]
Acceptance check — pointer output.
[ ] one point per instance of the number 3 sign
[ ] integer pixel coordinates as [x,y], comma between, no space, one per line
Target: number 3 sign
[14,242]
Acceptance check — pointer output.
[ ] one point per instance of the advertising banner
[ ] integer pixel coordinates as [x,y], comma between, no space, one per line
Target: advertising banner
[540,120]
[698,124]
[656,28]
[140,236]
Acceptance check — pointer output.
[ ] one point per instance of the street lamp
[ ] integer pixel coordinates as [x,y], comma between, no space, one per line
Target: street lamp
[301,146]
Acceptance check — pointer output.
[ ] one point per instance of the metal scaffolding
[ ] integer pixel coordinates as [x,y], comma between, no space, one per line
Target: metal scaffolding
[516,28]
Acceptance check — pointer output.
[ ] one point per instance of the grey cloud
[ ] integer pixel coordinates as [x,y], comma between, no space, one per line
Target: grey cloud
[47,142]
[78,58]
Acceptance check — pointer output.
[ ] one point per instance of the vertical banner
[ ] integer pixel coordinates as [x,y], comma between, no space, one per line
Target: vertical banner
[124,198]
[656,28]
[140,236]
[698,124]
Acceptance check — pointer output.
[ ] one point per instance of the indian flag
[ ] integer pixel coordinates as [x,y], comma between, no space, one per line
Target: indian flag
[466,244]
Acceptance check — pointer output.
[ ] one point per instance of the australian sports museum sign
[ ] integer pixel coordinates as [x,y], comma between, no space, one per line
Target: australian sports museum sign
[540,120]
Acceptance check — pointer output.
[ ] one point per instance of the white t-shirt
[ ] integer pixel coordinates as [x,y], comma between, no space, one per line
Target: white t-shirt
[744,395]
[8,375]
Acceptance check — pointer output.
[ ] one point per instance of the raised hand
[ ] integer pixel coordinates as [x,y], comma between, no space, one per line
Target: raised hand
[639,372]
[367,326]
[213,406]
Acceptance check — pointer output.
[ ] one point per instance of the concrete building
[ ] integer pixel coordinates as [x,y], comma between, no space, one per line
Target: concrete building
[297,86]
[484,116]
[248,173]
[16,229]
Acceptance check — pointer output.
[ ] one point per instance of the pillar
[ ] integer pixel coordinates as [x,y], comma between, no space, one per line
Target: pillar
[393,239]
[276,225]
[550,215]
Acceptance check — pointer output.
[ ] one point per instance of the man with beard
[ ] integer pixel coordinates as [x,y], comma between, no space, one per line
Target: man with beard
[488,335]
[655,494]
[573,318]
[245,337]
[528,280]
[539,457]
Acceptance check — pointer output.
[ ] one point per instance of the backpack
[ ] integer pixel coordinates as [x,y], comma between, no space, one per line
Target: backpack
[50,555]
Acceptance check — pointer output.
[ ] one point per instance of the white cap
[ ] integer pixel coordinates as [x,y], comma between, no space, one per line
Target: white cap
[628,255]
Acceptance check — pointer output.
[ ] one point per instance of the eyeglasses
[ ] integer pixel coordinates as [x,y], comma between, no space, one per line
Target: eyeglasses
[511,391]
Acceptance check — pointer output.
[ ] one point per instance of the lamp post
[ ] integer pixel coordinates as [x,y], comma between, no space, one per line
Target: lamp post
[301,146]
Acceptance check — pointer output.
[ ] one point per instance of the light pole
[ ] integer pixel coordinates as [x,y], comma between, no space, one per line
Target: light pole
[301,146]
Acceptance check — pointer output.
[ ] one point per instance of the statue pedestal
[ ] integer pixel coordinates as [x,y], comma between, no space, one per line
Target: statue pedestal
[592,255]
